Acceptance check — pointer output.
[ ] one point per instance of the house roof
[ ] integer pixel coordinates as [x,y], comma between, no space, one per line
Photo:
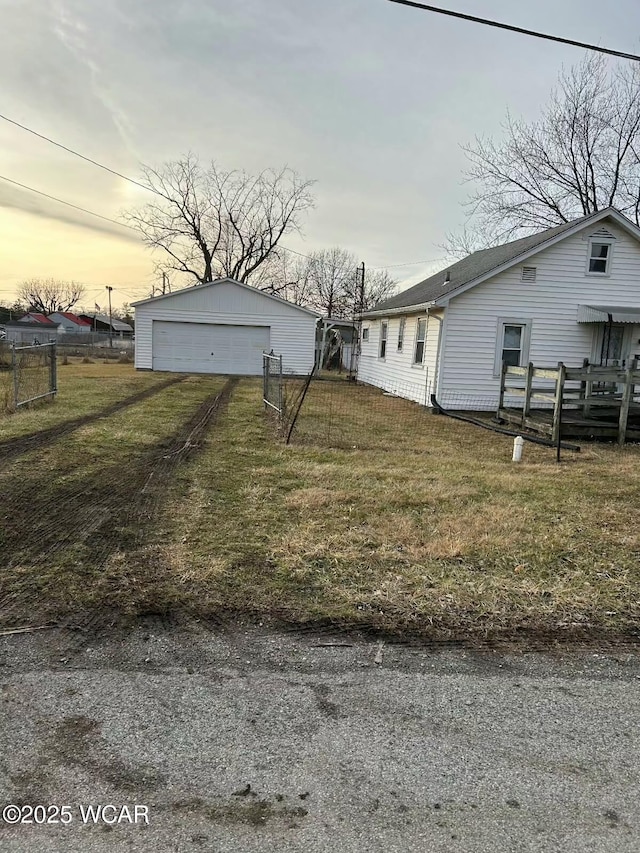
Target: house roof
[73,318]
[117,325]
[36,317]
[480,265]
[184,290]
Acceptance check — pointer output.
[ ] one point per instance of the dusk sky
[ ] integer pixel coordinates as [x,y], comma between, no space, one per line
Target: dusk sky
[370,99]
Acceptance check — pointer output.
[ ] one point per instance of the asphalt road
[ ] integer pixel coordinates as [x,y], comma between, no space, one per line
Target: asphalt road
[248,740]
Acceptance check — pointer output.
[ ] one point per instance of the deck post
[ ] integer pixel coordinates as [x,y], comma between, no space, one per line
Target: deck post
[557,406]
[526,407]
[503,379]
[624,406]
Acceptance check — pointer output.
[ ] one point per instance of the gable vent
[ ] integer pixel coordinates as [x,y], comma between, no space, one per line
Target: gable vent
[603,233]
[529,273]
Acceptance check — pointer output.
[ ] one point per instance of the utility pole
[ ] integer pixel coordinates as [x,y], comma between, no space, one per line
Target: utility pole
[358,307]
[110,320]
[361,291]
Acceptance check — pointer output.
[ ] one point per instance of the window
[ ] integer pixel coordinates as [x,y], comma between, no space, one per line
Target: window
[529,273]
[384,329]
[421,333]
[512,343]
[599,257]
[365,333]
[401,328]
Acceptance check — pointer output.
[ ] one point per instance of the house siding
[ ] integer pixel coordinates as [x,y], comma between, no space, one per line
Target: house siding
[396,373]
[550,304]
[292,331]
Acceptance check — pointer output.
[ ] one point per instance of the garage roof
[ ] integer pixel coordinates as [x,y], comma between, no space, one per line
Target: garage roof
[184,290]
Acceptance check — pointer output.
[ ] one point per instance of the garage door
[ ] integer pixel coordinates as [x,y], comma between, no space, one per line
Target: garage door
[209,348]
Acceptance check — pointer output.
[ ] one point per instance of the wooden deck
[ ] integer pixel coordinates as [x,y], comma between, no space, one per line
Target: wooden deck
[564,402]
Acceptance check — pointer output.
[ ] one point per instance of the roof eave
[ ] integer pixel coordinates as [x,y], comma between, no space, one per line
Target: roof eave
[183,290]
[403,309]
[611,212]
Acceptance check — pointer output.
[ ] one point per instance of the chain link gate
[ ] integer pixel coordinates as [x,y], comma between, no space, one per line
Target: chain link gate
[32,374]
[272,390]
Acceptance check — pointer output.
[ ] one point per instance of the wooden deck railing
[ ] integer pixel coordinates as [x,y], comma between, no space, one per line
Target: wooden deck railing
[589,389]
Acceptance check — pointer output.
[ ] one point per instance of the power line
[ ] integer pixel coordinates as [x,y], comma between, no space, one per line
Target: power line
[409,264]
[514,29]
[131,181]
[77,154]
[67,203]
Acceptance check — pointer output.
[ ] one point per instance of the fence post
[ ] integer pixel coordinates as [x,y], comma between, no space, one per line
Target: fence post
[557,406]
[53,384]
[265,365]
[280,412]
[624,406]
[526,408]
[503,381]
[14,369]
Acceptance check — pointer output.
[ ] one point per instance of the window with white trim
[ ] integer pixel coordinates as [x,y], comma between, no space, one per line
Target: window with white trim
[365,333]
[599,256]
[512,345]
[384,332]
[401,328]
[421,334]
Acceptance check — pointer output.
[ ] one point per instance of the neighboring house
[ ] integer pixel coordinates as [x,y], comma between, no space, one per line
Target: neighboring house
[223,327]
[33,328]
[101,323]
[566,294]
[36,317]
[70,324]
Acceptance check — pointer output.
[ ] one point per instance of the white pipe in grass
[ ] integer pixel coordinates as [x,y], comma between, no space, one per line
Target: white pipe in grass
[518,444]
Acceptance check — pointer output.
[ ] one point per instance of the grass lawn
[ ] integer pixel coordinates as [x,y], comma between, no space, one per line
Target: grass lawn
[416,524]
[430,529]
[82,389]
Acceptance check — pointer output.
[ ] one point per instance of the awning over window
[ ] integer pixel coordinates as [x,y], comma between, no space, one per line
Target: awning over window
[604,313]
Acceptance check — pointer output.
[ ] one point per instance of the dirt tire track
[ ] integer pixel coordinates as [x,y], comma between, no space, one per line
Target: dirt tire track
[12,447]
[99,518]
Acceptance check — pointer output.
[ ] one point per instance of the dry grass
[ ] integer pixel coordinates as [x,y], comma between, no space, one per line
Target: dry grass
[430,531]
[82,389]
[437,532]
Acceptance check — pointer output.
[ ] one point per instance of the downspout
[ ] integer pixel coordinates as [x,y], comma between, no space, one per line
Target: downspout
[436,368]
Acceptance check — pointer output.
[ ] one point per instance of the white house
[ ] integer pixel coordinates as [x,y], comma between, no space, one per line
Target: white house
[223,327]
[566,294]
[69,323]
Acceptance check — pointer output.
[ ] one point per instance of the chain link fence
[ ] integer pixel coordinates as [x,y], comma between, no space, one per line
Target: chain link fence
[27,373]
[282,395]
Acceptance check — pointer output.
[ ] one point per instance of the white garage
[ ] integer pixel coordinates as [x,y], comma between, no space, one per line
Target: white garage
[222,327]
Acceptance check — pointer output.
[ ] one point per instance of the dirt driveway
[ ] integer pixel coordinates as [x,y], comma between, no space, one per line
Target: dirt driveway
[83,490]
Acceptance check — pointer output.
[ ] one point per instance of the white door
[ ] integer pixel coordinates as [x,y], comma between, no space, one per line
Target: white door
[209,348]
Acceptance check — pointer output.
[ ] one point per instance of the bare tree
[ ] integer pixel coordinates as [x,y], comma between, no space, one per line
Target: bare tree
[212,223]
[124,313]
[47,295]
[335,282]
[332,272]
[581,156]
[287,275]
[378,285]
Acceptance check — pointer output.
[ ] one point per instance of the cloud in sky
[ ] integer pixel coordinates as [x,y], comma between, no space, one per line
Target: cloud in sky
[371,99]
[16,198]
